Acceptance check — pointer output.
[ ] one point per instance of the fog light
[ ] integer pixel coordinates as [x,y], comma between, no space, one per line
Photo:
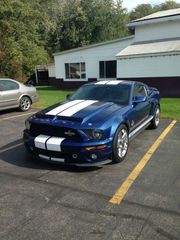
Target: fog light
[74,156]
[94,156]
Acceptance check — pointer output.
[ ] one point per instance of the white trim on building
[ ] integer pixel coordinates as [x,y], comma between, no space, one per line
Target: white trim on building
[158,17]
[149,49]
[93,45]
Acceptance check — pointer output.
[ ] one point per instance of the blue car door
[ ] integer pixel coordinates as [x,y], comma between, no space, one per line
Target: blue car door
[140,111]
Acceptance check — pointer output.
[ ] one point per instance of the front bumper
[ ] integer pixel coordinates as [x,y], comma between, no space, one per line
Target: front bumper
[72,152]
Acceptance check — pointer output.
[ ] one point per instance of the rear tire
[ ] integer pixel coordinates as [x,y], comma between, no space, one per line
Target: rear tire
[25,104]
[120,144]
[155,121]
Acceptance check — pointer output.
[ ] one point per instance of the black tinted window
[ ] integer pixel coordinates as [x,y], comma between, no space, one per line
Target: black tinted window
[105,93]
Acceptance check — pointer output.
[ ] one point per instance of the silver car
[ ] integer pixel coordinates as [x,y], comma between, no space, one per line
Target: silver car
[16,95]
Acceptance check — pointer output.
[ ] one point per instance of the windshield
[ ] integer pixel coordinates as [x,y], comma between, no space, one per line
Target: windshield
[118,94]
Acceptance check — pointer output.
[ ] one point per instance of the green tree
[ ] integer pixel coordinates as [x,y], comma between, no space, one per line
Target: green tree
[19,35]
[169,5]
[32,30]
[82,22]
[143,10]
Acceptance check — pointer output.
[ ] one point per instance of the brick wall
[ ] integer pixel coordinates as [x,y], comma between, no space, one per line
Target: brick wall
[61,84]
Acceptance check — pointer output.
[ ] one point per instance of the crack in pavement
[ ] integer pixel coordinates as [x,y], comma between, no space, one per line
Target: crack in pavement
[99,195]
[100,212]
[40,181]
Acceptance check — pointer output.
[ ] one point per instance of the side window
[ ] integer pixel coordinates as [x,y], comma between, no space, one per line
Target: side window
[6,85]
[139,91]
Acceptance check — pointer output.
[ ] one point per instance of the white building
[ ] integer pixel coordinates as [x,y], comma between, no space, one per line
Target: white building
[85,64]
[152,55]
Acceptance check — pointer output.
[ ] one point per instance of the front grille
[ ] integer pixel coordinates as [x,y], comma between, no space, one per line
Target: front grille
[55,131]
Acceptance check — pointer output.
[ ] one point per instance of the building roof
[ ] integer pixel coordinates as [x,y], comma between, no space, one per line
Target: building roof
[93,45]
[160,47]
[160,16]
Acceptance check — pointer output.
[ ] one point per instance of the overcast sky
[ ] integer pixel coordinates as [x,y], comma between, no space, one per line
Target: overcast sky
[130,4]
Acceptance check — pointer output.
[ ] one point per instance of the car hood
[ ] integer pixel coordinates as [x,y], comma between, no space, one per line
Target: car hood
[83,112]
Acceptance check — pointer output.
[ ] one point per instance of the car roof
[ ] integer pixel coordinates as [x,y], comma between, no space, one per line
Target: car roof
[114,82]
[10,80]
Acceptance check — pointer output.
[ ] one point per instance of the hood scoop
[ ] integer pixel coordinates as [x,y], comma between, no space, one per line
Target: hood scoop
[44,116]
[70,118]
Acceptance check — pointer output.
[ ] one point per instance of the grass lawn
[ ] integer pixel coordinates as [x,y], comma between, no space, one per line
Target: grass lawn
[49,95]
[170,107]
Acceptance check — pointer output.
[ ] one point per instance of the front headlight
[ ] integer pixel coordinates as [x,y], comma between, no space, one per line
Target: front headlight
[27,124]
[95,134]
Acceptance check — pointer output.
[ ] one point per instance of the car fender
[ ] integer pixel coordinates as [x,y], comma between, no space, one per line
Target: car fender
[25,95]
[118,121]
[154,104]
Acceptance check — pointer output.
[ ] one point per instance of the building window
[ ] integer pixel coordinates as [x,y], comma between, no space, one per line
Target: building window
[107,69]
[75,70]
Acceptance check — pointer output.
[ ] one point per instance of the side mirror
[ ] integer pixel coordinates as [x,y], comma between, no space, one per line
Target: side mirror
[139,99]
[68,96]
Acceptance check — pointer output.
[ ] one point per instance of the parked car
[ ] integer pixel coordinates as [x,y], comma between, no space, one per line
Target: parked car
[16,95]
[96,123]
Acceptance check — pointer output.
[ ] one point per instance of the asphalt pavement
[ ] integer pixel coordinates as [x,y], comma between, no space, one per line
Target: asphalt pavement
[40,200]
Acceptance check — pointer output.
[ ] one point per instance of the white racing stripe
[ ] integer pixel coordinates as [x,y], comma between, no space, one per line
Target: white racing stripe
[51,143]
[40,141]
[74,109]
[44,156]
[57,159]
[141,126]
[54,144]
[63,107]
[52,159]
[101,82]
[116,82]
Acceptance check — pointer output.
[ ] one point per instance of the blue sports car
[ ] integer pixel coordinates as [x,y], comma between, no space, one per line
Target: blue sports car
[94,125]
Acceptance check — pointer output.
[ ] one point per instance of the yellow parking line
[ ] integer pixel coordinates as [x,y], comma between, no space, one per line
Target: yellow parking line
[9,148]
[16,116]
[121,192]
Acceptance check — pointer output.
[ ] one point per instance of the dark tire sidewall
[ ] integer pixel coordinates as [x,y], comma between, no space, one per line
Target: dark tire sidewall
[115,156]
[153,123]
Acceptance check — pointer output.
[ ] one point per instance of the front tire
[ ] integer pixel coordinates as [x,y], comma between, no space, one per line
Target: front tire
[25,104]
[155,121]
[120,144]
